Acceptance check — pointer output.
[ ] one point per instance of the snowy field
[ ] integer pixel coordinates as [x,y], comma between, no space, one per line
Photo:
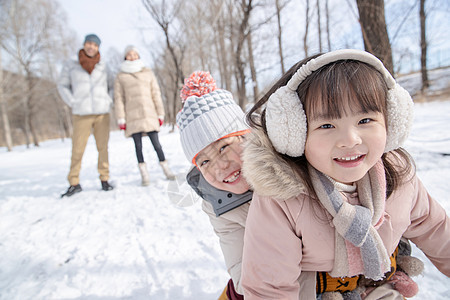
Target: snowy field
[145,242]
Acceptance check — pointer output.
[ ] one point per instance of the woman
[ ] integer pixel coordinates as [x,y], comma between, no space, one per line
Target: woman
[139,108]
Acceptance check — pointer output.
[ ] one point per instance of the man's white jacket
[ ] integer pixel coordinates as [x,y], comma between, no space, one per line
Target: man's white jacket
[86,94]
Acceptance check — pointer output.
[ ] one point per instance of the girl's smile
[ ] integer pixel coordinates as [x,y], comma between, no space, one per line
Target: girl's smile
[349,161]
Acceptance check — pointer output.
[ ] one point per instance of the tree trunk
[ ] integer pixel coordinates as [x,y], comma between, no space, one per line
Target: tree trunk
[373,28]
[164,16]
[327,16]
[240,80]
[252,68]
[59,110]
[29,110]
[220,60]
[231,49]
[318,26]
[4,113]
[60,114]
[423,48]
[246,8]
[305,36]
[223,54]
[25,126]
[280,44]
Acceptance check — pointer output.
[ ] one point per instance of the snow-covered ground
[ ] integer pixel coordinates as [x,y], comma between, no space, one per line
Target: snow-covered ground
[129,243]
[144,242]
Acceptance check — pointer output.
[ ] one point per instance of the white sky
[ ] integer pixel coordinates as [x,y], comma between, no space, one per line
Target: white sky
[114,21]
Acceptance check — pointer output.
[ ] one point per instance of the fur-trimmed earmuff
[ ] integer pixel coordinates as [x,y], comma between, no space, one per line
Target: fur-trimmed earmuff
[286,119]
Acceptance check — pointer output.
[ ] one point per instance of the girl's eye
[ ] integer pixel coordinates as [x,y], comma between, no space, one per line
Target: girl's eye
[326,126]
[203,163]
[365,121]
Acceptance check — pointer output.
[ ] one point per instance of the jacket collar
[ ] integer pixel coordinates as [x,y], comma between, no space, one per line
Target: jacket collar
[222,201]
[266,172]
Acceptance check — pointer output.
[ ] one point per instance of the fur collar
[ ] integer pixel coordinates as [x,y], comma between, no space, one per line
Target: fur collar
[266,172]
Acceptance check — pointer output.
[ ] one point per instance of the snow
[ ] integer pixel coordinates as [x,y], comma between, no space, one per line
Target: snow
[130,243]
[149,242]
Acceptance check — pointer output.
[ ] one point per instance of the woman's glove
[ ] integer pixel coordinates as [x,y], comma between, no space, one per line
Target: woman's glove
[122,124]
[161,120]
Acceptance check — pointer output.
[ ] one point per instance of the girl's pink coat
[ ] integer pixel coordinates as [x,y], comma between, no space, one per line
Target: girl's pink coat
[287,235]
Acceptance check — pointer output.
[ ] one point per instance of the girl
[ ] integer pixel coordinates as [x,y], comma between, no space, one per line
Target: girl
[212,129]
[334,192]
[139,108]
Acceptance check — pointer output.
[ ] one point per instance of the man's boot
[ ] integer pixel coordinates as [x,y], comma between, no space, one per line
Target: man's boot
[106,186]
[73,189]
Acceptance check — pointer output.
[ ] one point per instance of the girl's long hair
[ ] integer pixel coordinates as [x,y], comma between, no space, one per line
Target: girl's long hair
[341,87]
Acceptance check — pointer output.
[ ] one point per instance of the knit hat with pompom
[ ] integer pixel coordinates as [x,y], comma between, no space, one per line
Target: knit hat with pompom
[208,114]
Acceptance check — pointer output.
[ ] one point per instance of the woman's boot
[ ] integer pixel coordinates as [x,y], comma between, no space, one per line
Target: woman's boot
[144,173]
[166,170]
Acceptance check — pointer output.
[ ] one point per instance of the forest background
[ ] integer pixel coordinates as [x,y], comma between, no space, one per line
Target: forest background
[245,44]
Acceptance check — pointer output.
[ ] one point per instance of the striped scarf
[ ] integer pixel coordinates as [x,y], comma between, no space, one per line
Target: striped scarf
[358,247]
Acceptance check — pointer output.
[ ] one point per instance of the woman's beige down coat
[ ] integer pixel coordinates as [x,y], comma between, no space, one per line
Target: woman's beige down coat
[137,99]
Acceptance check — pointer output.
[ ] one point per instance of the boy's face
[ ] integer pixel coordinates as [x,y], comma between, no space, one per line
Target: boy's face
[220,163]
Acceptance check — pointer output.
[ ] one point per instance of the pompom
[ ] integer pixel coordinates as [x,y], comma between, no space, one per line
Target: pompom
[404,284]
[410,265]
[197,84]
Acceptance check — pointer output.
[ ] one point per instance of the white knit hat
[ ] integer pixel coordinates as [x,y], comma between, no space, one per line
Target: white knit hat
[208,118]
[130,48]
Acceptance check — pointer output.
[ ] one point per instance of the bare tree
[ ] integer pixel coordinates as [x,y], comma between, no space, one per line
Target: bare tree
[225,67]
[165,16]
[25,39]
[423,48]
[164,71]
[251,61]
[319,30]
[305,36]
[279,6]
[4,114]
[327,17]
[374,31]
[246,7]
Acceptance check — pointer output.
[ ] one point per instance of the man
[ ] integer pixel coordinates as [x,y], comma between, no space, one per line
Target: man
[84,84]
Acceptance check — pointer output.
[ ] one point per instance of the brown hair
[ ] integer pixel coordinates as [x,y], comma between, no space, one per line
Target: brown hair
[334,89]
